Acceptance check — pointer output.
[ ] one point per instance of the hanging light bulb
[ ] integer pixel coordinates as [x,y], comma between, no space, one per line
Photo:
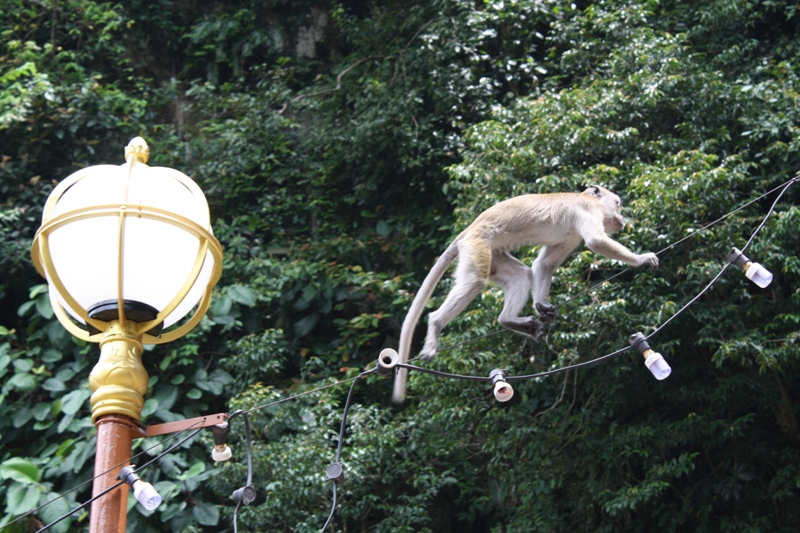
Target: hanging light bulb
[654,361]
[221,452]
[502,389]
[144,492]
[752,270]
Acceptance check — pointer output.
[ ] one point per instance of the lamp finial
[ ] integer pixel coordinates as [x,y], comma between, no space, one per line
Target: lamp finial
[137,148]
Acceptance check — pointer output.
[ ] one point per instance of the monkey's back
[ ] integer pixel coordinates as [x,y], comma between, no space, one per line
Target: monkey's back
[530,219]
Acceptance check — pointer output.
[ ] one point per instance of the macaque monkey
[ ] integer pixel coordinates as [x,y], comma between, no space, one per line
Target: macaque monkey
[558,222]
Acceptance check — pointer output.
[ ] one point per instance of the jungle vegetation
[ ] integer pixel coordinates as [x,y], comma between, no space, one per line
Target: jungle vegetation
[341,145]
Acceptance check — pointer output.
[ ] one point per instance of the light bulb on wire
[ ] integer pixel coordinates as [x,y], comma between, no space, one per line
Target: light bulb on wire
[654,361]
[502,390]
[221,452]
[143,491]
[752,270]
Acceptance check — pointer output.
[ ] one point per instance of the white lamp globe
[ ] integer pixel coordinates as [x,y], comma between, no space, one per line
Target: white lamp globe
[129,234]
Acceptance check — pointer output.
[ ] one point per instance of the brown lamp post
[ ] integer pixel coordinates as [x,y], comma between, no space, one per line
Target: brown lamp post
[128,252]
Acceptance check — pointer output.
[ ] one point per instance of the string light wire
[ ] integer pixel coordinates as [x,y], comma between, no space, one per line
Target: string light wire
[79,485]
[340,444]
[112,487]
[784,187]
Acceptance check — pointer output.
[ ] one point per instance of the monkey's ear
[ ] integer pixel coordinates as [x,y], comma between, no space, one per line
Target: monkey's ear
[595,191]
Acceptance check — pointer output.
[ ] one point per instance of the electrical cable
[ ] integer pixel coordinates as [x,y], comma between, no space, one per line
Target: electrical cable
[109,489]
[333,509]
[247,442]
[340,445]
[247,494]
[785,186]
[79,485]
[659,328]
[235,517]
[288,398]
[81,506]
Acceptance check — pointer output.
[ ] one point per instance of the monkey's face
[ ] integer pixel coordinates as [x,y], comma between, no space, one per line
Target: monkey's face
[613,221]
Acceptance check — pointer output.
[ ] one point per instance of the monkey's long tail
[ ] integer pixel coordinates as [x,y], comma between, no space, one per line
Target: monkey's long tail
[415,312]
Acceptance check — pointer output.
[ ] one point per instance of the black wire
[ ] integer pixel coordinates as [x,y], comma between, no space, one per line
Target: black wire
[248,442]
[771,209]
[288,398]
[235,513]
[96,475]
[659,328]
[341,441]
[162,454]
[443,374]
[93,498]
[346,409]
[333,509]
[249,455]
[81,506]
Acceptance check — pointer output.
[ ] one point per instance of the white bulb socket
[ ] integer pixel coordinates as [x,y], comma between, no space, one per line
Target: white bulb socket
[657,365]
[503,391]
[221,453]
[387,360]
[146,495]
[758,274]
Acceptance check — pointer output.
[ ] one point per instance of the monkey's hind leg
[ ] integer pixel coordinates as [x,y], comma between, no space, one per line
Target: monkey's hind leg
[472,273]
[515,279]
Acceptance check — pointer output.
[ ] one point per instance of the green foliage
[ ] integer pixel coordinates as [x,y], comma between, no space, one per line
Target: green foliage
[335,180]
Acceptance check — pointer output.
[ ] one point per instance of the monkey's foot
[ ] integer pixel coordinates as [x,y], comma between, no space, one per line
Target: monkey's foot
[527,325]
[547,312]
[428,352]
[427,356]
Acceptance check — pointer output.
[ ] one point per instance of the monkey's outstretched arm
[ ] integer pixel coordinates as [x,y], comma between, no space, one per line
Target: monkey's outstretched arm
[605,245]
[591,228]
[415,312]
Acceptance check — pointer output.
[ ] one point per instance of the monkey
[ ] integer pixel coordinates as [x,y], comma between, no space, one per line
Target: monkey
[556,221]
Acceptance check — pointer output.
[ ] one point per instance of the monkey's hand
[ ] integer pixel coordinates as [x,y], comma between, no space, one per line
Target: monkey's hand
[547,312]
[649,259]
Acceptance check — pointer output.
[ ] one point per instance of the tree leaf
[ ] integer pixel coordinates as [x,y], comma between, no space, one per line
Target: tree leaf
[206,514]
[20,470]
[22,498]
[72,402]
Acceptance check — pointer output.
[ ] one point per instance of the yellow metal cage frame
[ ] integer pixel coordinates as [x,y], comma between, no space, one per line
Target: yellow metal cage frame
[43,261]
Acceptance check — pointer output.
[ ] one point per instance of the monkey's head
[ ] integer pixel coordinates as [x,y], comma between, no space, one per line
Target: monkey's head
[613,221]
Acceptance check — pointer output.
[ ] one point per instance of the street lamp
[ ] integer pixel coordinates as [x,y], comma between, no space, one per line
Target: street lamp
[128,253]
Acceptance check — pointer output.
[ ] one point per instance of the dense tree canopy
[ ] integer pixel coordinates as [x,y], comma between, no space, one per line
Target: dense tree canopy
[341,145]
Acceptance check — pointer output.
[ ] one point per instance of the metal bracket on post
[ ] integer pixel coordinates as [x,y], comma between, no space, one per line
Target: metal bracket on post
[183,425]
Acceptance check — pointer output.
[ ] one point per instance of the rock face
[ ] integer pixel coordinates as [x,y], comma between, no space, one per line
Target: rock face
[312,34]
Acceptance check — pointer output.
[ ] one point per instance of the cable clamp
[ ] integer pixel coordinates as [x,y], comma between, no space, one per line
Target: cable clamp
[334,473]
[244,495]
